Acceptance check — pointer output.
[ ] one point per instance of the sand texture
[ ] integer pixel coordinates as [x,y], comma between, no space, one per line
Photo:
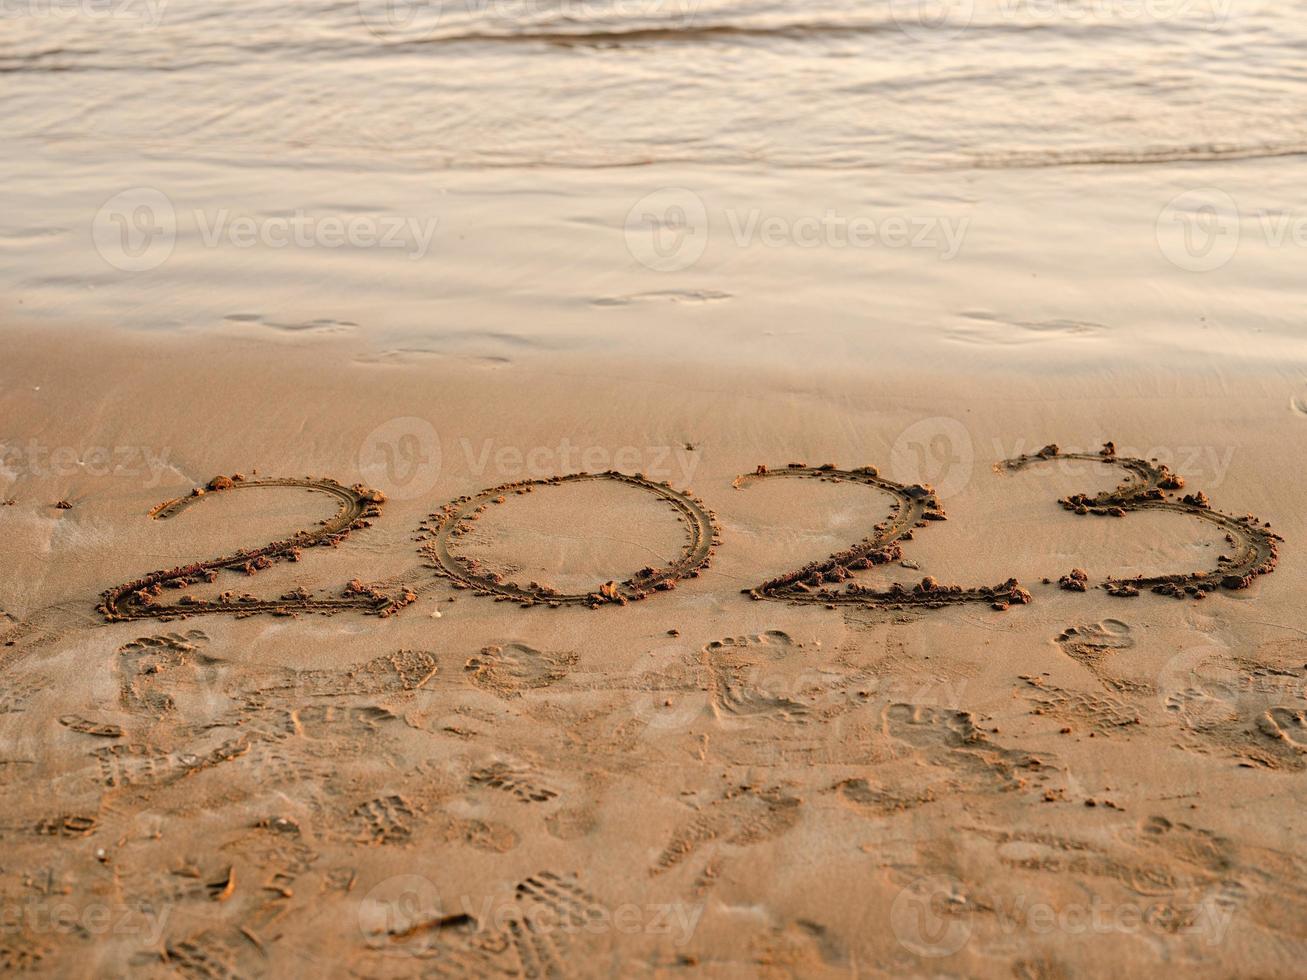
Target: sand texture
[319,665]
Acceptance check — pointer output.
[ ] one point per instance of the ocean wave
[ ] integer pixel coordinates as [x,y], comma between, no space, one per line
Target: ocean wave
[1125,156]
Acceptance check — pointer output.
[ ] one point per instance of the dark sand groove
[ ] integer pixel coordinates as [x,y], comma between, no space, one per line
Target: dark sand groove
[1149,486]
[139,599]
[913,507]
[453,521]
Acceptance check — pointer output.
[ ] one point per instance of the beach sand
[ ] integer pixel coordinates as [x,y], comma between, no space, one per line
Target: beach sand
[320,657]
[704,782]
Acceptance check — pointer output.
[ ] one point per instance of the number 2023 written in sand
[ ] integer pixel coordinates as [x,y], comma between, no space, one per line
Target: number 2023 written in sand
[829,582]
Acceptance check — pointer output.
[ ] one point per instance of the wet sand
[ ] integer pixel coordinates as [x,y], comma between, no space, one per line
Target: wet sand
[748,772]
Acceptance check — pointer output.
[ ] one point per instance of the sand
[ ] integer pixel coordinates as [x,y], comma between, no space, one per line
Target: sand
[370,767]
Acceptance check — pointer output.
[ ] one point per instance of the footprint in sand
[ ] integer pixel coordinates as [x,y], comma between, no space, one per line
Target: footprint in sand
[533,936]
[743,815]
[777,643]
[321,721]
[67,825]
[572,824]
[77,723]
[16,695]
[1103,714]
[133,764]
[1192,846]
[1092,643]
[511,668]
[741,687]
[1265,882]
[143,662]
[537,935]
[390,675]
[517,782]
[948,738]
[1235,704]
[864,796]
[1199,710]
[208,954]
[559,896]
[20,953]
[1287,725]
[385,820]
[931,729]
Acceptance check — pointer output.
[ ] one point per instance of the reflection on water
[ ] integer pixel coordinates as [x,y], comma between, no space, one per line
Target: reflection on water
[1068,182]
[831,83]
